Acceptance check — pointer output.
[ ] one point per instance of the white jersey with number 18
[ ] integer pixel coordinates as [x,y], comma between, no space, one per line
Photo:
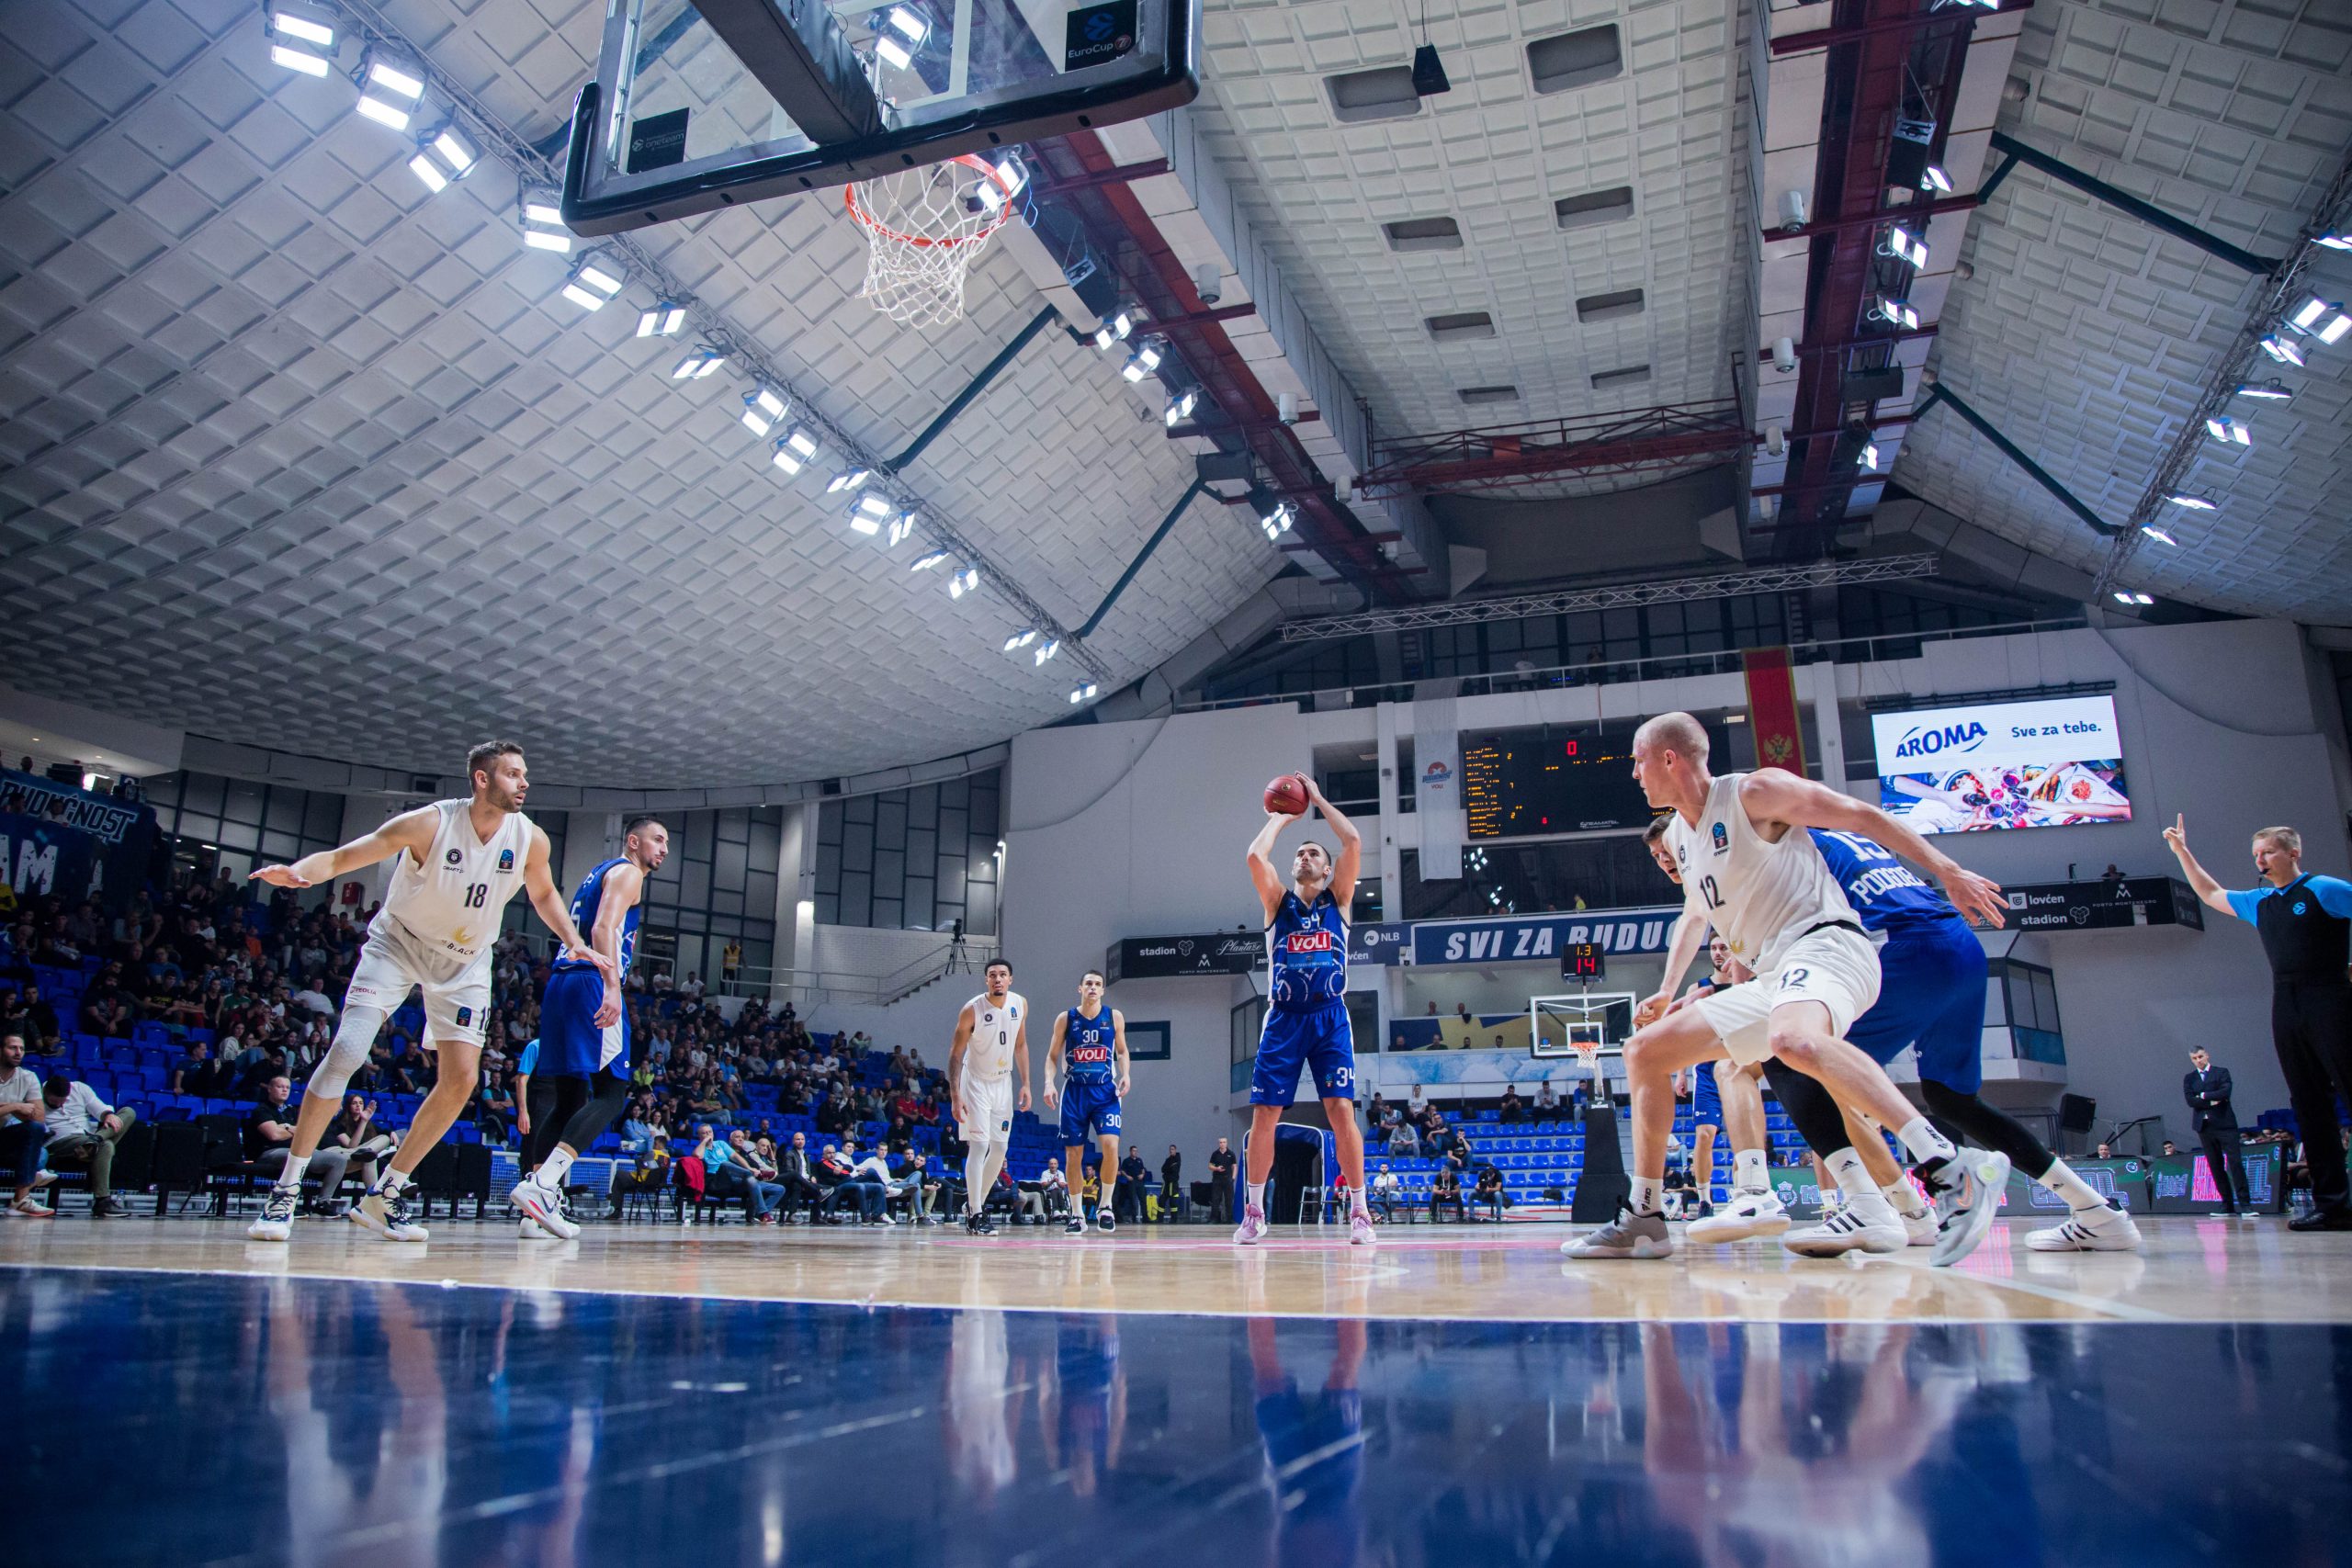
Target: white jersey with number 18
[452,902]
[1760,894]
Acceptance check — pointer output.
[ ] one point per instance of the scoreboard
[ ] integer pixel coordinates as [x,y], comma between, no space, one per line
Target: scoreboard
[1557,779]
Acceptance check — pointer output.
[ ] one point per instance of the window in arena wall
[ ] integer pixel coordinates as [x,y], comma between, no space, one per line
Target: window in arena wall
[911,859]
[717,887]
[211,822]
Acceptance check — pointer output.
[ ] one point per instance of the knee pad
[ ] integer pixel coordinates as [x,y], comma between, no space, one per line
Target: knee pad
[354,1036]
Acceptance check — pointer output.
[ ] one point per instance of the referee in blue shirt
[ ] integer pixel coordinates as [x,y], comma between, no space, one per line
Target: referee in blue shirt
[2305,923]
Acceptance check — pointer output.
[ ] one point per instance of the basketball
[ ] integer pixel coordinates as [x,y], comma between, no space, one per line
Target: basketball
[1287,794]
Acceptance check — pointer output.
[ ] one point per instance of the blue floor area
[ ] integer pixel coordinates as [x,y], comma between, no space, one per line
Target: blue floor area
[191,1419]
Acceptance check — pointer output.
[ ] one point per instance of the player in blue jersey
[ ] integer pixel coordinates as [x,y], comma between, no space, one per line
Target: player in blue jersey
[584,1028]
[1932,997]
[1306,1007]
[1091,1041]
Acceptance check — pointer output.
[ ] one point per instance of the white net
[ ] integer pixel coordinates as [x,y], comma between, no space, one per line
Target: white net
[924,228]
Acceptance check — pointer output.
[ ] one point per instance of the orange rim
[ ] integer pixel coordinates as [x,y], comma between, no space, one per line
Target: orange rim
[849,198]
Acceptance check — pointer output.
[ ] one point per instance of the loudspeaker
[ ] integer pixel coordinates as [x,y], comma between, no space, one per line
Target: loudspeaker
[2076,1112]
[1603,1188]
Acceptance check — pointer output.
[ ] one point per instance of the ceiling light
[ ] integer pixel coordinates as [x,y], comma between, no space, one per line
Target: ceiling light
[382,112]
[2282,349]
[2123,598]
[893,52]
[1901,245]
[2142,599]
[925,562]
[2273,390]
[319,33]
[663,321]
[1181,409]
[2193,503]
[424,168]
[1115,330]
[397,81]
[901,528]
[1053,647]
[706,361]
[442,157]
[1934,178]
[591,284]
[389,94]
[457,151]
[543,227]
[848,479]
[794,450]
[1870,456]
[2158,534]
[2320,319]
[963,581]
[1081,694]
[1896,311]
[2228,431]
[1142,361]
[907,23]
[867,516]
[2336,242]
[300,60]
[762,408]
[1021,638]
[1278,522]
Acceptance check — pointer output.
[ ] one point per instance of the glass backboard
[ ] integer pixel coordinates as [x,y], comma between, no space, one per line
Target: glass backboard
[700,105]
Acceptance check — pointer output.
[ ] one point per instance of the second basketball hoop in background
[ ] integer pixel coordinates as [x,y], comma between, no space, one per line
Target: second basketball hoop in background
[925,227]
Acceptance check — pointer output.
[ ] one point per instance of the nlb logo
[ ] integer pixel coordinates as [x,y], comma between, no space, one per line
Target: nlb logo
[1308,941]
[1937,738]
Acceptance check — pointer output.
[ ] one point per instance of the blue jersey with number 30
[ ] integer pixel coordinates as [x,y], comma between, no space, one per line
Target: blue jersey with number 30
[1087,1044]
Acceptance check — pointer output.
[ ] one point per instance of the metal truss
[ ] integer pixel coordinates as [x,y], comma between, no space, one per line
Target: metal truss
[1509,456]
[1616,596]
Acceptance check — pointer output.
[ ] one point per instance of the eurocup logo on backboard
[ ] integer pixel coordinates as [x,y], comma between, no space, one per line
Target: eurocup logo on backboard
[1096,34]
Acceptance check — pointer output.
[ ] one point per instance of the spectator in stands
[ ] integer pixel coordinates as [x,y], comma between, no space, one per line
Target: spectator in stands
[799,1175]
[1376,1113]
[2104,1153]
[637,1125]
[495,1112]
[353,1129]
[83,1130]
[758,1156]
[1173,1202]
[1386,1188]
[24,1130]
[1049,1194]
[873,1166]
[269,1137]
[1489,1191]
[1548,1103]
[1447,1190]
[1222,1164]
[723,1175]
[105,1014]
[840,1162]
[2170,1147]
[195,1073]
[1439,1136]
[262,1066]
[1403,1141]
[1514,1108]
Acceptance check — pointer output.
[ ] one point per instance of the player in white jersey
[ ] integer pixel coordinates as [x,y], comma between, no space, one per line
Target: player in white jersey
[991,1048]
[1750,871]
[459,862]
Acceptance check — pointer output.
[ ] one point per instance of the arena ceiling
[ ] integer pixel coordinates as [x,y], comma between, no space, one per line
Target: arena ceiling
[295,453]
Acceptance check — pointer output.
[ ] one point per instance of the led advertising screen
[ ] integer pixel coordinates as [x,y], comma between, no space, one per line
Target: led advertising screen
[2055,763]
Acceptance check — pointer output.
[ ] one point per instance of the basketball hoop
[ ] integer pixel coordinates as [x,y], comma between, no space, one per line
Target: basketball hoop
[924,228]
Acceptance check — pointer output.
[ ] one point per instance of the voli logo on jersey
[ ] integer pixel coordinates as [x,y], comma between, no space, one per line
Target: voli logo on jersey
[1308,941]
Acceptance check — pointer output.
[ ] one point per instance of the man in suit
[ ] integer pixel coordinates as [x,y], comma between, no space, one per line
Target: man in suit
[2207,1089]
[799,1175]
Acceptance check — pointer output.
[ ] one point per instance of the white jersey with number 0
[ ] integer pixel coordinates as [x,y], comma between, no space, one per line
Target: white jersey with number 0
[996,1027]
[1758,894]
[453,900]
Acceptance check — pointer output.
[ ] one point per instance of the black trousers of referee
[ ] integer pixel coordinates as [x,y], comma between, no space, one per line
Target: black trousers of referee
[2311,1025]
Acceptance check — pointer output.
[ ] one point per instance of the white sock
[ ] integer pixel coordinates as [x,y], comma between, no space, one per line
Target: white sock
[976,1178]
[1258,1194]
[1649,1194]
[295,1165]
[2079,1194]
[1852,1177]
[554,1169]
[1748,1170]
[1358,1203]
[1919,1135]
[1904,1199]
[392,1183]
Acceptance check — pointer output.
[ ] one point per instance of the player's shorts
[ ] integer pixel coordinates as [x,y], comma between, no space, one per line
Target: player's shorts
[1933,998]
[1706,1100]
[571,1045]
[1089,1108]
[1835,966]
[394,960]
[990,1103]
[1317,1039]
